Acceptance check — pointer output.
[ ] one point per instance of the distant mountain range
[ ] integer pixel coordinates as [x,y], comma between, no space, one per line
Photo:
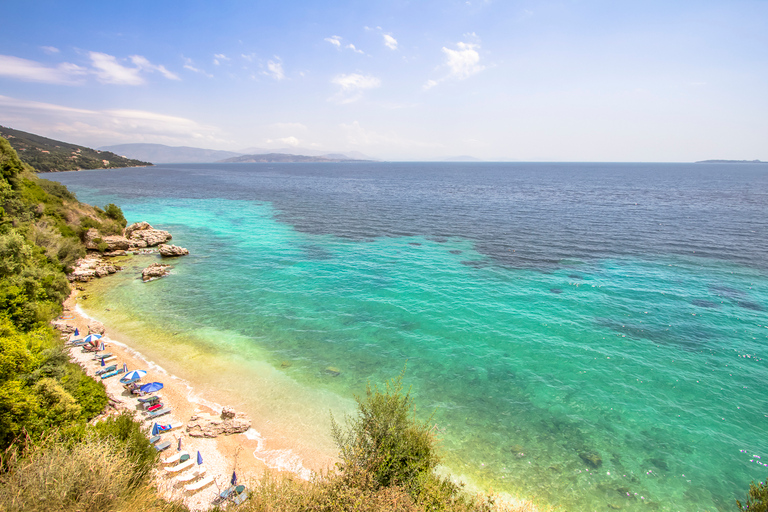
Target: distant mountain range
[161,154]
[731,162]
[49,155]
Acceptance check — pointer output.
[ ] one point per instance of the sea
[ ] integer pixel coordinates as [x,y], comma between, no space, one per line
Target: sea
[589,336]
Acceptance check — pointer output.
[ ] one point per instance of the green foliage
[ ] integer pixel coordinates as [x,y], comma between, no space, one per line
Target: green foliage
[385,441]
[115,213]
[56,189]
[757,499]
[46,155]
[10,164]
[127,431]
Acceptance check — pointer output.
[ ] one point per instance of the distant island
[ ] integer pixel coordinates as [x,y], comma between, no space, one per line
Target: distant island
[731,162]
[286,158]
[49,155]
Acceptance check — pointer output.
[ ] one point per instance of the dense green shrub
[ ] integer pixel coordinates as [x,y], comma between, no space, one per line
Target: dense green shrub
[115,213]
[757,499]
[127,431]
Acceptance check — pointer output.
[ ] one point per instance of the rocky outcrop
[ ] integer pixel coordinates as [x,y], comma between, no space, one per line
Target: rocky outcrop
[95,327]
[90,267]
[95,242]
[207,425]
[172,250]
[142,234]
[155,271]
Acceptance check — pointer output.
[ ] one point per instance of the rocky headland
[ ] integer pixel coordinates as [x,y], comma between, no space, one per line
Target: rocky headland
[138,238]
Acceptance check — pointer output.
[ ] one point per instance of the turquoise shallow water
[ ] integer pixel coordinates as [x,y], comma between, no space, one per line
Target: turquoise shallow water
[614,380]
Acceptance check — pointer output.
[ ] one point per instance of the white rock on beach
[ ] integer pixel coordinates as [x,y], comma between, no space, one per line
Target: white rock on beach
[207,425]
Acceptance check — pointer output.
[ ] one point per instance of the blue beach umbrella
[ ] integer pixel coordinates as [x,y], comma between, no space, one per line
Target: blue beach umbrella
[234,478]
[155,429]
[151,387]
[135,374]
[102,361]
[77,333]
[92,337]
[199,458]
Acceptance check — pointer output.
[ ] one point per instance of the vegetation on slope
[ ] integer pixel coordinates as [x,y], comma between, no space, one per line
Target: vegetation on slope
[48,155]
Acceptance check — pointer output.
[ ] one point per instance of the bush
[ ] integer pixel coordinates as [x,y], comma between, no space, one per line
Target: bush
[757,499]
[115,213]
[384,441]
[125,430]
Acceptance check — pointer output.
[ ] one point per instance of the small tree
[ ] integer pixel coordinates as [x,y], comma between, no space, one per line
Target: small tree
[385,442]
[757,499]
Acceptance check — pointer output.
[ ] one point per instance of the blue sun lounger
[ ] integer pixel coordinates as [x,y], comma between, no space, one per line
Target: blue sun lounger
[112,373]
[106,369]
[103,356]
[159,412]
[163,446]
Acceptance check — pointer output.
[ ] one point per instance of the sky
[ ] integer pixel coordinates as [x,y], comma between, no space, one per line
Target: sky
[500,80]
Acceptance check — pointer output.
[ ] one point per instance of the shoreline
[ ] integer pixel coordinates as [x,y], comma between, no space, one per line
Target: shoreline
[247,453]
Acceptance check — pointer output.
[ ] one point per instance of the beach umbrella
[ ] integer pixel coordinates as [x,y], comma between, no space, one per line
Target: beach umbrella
[102,361]
[199,458]
[234,478]
[102,346]
[92,337]
[155,429]
[178,449]
[125,367]
[135,374]
[151,387]
[77,333]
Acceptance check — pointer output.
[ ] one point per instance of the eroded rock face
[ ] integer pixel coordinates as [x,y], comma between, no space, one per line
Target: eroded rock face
[155,271]
[207,425]
[172,250]
[114,243]
[90,267]
[141,234]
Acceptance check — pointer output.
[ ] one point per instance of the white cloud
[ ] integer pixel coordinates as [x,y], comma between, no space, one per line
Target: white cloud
[100,127]
[291,141]
[50,50]
[390,42]
[334,40]
[275,69]
[353,85]
[109,71]
[143,64]
[190,65]
[219,57]
[31,71]
[352,47]
[462,62]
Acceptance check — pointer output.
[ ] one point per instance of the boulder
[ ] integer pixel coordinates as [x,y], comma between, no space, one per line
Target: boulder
[207,425]
[172,250]
[592,458]
[63,326]
[155,271]
[142,234]
[95,327]
[113,242]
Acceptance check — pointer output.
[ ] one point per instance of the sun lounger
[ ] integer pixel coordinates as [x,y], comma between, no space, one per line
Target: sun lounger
[129,381]
[191,475]
[106,369]
[103,356]
[159,412]
[154,439]
[223,495]
[240,498]
[109,359]
[112,373]
[181,467]
[155,407]
[199,485]
[154,398]
[176,457]
[163,446]
[169,427]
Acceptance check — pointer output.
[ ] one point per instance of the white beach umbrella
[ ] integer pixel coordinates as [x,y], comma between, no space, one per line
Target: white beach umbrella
[135,374]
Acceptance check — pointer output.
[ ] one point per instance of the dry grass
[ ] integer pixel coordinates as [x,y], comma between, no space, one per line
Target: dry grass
[95,475]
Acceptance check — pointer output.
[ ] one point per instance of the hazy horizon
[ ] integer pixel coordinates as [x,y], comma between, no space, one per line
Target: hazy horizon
[498,81]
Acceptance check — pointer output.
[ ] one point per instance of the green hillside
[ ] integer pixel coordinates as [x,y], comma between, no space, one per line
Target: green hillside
[48,155]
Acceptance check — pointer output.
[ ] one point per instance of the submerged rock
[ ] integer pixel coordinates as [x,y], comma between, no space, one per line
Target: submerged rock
[334,372]
[155,271]
[592,458]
